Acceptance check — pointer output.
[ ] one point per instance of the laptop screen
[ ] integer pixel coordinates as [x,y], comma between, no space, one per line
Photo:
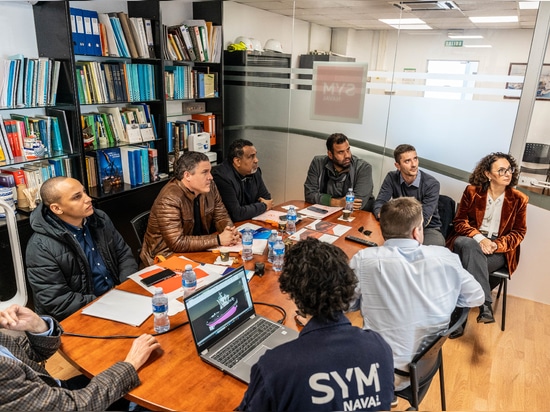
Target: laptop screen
[219,308]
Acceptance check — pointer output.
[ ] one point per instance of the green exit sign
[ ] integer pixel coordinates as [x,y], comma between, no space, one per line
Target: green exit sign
[454,43]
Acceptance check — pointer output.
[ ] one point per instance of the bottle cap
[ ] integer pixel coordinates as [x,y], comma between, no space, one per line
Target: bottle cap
[188,267]
[274,231]
[158,290]
[279,237]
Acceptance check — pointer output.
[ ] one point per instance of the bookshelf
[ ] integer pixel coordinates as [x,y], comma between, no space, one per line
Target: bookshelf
[54,40]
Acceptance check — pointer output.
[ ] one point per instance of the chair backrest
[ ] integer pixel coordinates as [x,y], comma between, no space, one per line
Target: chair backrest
[428,360]
[139,223]
[447,209]
[20,296]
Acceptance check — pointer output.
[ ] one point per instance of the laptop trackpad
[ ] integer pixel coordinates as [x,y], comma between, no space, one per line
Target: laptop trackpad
[256,355]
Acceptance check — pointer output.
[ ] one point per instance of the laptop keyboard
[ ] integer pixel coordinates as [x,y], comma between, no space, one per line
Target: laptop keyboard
[245,343]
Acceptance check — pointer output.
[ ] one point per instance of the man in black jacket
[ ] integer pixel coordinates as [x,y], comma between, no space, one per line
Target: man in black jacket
[239,181]
[75,253]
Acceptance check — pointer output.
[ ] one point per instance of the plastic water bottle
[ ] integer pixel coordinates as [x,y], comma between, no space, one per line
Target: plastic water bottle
[278,254]
[350,197]
[247,240]
[291,220]
[188,280]
[270,243]
[160,311]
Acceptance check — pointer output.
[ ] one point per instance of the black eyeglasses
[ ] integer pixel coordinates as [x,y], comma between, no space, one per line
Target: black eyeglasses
[364,231]
[502,171]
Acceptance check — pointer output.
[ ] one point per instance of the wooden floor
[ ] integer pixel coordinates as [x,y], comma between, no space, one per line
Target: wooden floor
[485,370]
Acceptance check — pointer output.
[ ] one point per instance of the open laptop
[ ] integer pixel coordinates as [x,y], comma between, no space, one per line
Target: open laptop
[226,329]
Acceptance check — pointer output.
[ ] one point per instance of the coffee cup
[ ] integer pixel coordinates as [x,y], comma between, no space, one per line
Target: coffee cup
[346,214]
[224,254]
[282,223]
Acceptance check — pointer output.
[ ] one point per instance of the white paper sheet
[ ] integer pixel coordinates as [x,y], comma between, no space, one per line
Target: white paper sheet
[121,306]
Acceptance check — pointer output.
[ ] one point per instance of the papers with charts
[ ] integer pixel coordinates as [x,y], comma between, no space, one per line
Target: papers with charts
[270,216]
[305,233]
[328,227]
[314,211]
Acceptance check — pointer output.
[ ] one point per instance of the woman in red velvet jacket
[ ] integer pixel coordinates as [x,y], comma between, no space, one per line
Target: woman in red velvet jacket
[490,223]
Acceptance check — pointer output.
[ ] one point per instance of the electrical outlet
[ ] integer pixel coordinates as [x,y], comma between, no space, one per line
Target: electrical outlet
[525,181]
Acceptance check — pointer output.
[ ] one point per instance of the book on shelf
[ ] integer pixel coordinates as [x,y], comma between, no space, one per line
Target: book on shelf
[199,36]
[112,45]
[188,42]
[170,51]
[14,139]
[149,36]
[17,173]
[197,43]
[121,43]
[127,31]
[103,39]
[58,166]
[117,126]
[89,131]
[79,40]
[88,35]
[131,165]
[209,124]
[63,127]
[28,82]
[91,170]
[45,128]
[109,168]
[6,145]
[96,33]
[153,164]
[144,156]
[140,37]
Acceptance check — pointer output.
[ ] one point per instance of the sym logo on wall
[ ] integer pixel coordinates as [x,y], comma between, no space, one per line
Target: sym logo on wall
[338,91]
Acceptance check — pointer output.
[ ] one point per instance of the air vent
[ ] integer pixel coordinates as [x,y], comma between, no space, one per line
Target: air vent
[426,5]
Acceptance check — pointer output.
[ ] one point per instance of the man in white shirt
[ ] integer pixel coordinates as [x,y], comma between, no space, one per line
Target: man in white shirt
[407,291]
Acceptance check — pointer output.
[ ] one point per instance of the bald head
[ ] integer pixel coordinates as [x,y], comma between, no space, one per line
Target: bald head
[49,191]
[66,198]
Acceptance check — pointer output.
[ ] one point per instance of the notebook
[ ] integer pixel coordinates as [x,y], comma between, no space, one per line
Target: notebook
[228,333]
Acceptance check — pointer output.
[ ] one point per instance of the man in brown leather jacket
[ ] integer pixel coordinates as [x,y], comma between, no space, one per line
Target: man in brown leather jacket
[188,214]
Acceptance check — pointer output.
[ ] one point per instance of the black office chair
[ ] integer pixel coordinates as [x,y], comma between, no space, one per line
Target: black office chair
[426,363]
[500,277]
[139,224]
[446,207]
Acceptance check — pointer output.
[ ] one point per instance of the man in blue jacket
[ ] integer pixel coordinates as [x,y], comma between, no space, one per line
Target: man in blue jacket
[409,181]
[240,183]
[332,365]
[75,253]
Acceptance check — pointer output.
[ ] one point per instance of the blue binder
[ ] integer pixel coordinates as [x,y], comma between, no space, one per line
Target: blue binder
[79,43]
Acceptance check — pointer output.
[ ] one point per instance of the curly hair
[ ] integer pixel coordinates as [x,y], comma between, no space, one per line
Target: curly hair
[478,177]
[318,278]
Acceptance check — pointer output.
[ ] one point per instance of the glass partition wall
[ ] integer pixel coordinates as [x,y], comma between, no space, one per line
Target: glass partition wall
[453,94]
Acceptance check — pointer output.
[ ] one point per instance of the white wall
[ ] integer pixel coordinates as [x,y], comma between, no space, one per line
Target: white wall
[17,38]
[262,25]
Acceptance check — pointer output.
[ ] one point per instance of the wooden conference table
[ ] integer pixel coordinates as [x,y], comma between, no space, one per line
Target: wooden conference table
[176,378]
